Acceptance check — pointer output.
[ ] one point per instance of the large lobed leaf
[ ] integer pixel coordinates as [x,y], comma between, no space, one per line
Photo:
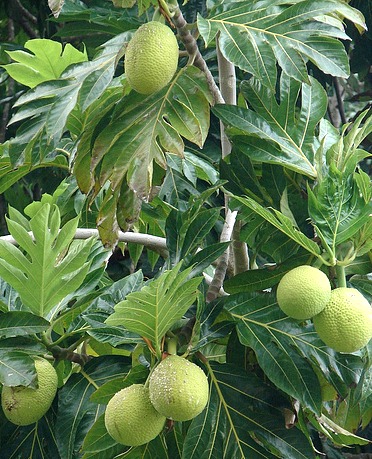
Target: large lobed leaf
[285,349]
[255,36]
[142,128]
[278,132]
[244,418]
[47,62]
[153,310]
[46,267]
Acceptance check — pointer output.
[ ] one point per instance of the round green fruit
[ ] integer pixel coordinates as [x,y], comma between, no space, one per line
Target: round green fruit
[345,324]
[151,58]
[178,388]
[25,405]
[303,292]
[130,418]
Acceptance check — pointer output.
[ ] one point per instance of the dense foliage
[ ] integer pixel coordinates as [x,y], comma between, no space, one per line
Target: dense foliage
[134,224]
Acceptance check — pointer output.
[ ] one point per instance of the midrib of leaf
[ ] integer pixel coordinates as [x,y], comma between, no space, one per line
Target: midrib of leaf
[225,406]
[244,319]
[272,330]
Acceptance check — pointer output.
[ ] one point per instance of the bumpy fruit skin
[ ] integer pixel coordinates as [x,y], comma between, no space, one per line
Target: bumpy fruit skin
[178,388]
[345,324]
[151,58]
[303,292]
[24,405]
[130,418]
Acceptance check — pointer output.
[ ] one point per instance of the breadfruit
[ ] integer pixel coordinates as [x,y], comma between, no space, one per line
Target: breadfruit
[25,405]
[303,292]
[151,58]
[178,388]
[130,418]
[345,324]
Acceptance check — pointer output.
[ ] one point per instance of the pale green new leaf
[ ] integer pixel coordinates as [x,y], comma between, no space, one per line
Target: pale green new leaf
[46,267]
[255,36]
[47,62]
[151,311]
[282,223]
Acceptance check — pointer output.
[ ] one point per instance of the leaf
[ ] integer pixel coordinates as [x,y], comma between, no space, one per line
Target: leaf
[144,127]
[99,441]
[285,349]
[243,419]
[47,62]
[282,223]
[51,269]
[337,208]
[19,323]
[262,278]
[151,311]
[277,133]
[76,413]
[255,37]
[108,334]
[16,368]
[35,441]
[44,110]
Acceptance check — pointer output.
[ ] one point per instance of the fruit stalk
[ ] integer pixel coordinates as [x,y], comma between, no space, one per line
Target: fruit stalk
[193,51]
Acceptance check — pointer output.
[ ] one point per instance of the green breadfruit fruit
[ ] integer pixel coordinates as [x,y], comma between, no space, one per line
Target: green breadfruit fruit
[151,58]
[130,418]
[345,324]
[25,405]
[303,292]
[178,388]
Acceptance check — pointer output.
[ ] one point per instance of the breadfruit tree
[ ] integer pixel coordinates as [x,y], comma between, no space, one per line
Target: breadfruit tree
[186,241]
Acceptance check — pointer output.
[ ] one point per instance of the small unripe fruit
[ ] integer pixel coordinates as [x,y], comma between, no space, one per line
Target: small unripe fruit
[178,388]
[130,418]
[25,405]
[151,58]
[303,292]
[345,324]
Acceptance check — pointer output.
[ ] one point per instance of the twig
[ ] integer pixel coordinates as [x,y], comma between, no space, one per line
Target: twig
[155,243]
[340,100]
[240,250]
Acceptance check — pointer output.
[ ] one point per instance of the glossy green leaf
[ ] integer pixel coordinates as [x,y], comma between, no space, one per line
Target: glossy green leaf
[151,311]
[47,61]
[143,128]
[243,419]
[76,413]
[52,268]
[282,223]
[284,348]
[255,37]
[19,323]
[278,132]
[16,368]
[35,441]
[262,278]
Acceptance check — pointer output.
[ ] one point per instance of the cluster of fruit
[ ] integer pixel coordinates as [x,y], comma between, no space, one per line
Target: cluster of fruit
[342,317]
[177,389]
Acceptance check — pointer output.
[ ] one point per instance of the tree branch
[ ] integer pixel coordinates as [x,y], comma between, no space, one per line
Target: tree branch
[193,51]
[155,243]
[220,271]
